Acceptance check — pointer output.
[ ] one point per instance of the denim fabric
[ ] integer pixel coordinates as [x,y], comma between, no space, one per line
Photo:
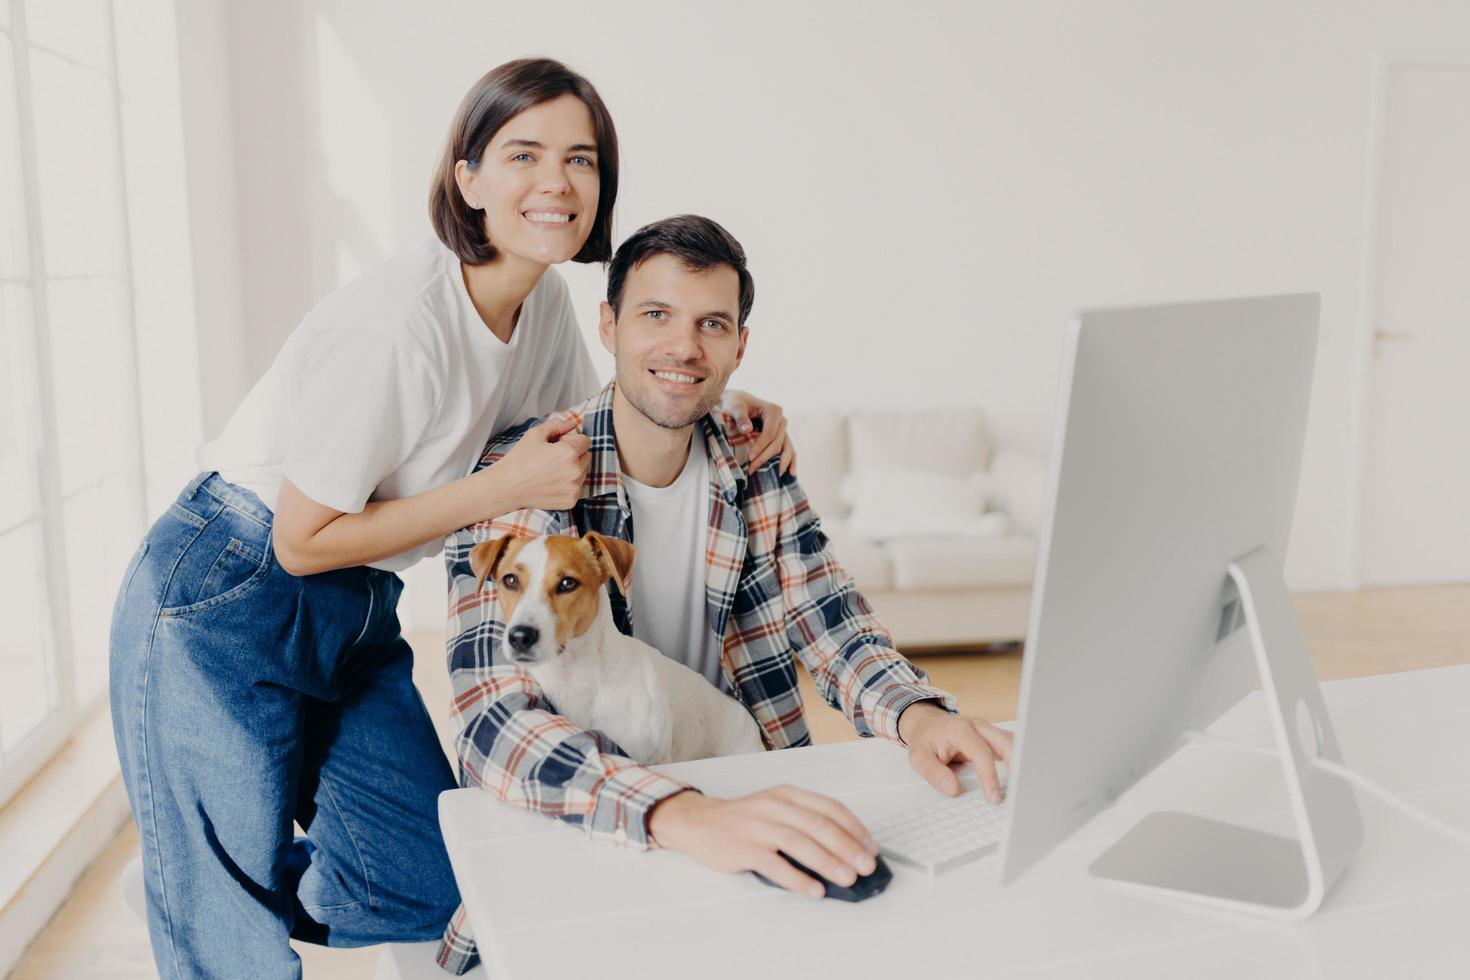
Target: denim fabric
[243,698]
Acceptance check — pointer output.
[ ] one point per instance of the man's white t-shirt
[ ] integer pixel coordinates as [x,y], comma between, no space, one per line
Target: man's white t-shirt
[670,526]
[393,384]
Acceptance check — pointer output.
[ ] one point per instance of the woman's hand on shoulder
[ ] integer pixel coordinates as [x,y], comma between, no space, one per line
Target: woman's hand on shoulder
[771,437]
[547,467]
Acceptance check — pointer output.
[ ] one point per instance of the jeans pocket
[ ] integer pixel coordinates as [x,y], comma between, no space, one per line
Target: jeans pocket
[234,574]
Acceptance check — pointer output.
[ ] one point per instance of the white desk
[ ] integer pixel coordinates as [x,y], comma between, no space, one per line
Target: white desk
[546,903]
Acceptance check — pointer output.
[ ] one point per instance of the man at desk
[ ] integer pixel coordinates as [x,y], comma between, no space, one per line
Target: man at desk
[739,565]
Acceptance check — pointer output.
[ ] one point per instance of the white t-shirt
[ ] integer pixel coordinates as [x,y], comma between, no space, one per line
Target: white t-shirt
[670,526]
[393,384]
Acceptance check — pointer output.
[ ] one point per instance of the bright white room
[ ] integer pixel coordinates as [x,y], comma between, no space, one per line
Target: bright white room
[928,194]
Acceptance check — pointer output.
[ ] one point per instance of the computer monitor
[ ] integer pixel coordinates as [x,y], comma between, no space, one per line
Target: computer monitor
[1160,600]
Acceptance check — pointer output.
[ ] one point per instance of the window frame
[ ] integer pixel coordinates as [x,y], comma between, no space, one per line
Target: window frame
[65,710]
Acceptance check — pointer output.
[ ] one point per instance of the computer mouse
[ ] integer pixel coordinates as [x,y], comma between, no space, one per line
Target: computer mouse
[865,887]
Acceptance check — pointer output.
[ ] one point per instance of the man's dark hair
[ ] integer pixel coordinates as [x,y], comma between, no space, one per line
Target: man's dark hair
[696,241]
[500,95]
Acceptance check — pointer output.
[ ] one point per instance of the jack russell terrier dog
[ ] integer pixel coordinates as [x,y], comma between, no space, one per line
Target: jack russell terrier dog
[559,626]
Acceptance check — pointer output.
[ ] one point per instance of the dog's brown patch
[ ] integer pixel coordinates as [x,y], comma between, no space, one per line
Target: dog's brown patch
[485,556]
[572,582]
[614,556]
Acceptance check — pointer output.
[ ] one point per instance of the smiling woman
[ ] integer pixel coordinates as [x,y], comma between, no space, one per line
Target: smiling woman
[536,197]
[554,160]
[258,672]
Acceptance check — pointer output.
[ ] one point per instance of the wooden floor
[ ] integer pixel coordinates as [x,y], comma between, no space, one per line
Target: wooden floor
[1349,634]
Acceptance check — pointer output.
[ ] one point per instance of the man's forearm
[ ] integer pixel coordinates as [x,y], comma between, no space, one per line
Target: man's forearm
[912,717]
[668,816]
[506,742]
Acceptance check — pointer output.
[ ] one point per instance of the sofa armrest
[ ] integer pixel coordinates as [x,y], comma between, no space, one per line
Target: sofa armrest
[1019,479]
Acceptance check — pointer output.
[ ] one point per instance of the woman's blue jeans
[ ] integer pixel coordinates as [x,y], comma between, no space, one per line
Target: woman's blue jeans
[243,698]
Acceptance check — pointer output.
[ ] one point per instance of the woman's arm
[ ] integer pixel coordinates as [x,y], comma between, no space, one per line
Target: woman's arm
[311,537]
[771,439]
[545,469]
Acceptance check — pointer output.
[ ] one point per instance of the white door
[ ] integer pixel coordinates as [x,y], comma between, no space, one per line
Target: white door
[1416,485]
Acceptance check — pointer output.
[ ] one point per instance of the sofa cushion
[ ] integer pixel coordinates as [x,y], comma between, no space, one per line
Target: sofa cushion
[821,459]
[955,442]
[901,502]
[863,559]
[956,563]
[1019,485]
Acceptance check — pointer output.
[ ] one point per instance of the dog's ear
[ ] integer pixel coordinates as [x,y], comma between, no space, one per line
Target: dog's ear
[485,556]
[614,556]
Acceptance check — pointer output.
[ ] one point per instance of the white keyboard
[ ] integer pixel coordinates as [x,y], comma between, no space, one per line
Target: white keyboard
[943,834]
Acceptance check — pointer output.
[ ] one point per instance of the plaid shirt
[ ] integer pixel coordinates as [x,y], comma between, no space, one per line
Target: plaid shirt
[772,589]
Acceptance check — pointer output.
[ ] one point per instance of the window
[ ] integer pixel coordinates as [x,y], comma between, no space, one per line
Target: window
[71,476]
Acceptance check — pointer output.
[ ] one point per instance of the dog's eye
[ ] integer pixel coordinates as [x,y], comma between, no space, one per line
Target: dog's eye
[511,582]
[567,584]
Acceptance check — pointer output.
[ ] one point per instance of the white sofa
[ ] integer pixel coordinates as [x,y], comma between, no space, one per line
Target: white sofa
[935,522]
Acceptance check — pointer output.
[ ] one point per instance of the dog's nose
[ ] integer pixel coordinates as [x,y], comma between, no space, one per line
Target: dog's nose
[522,638]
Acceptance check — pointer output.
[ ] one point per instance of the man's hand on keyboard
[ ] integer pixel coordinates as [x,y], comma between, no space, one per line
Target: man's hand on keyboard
[936,739]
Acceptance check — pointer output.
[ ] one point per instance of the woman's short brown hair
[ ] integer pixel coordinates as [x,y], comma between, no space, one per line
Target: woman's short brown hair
[503,93]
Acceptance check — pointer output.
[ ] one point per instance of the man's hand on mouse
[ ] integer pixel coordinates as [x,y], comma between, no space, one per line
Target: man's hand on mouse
[936,738]
[744,834]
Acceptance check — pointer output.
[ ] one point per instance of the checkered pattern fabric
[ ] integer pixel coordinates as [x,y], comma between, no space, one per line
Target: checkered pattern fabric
[773,591]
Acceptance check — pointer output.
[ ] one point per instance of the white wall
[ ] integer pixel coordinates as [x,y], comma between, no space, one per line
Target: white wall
[215,234]
[178,159]
[927,190]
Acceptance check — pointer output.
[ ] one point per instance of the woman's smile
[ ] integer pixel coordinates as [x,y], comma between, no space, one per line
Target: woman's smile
[553,218]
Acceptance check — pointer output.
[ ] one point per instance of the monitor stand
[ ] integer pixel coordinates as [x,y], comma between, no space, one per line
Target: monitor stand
[1195,858]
